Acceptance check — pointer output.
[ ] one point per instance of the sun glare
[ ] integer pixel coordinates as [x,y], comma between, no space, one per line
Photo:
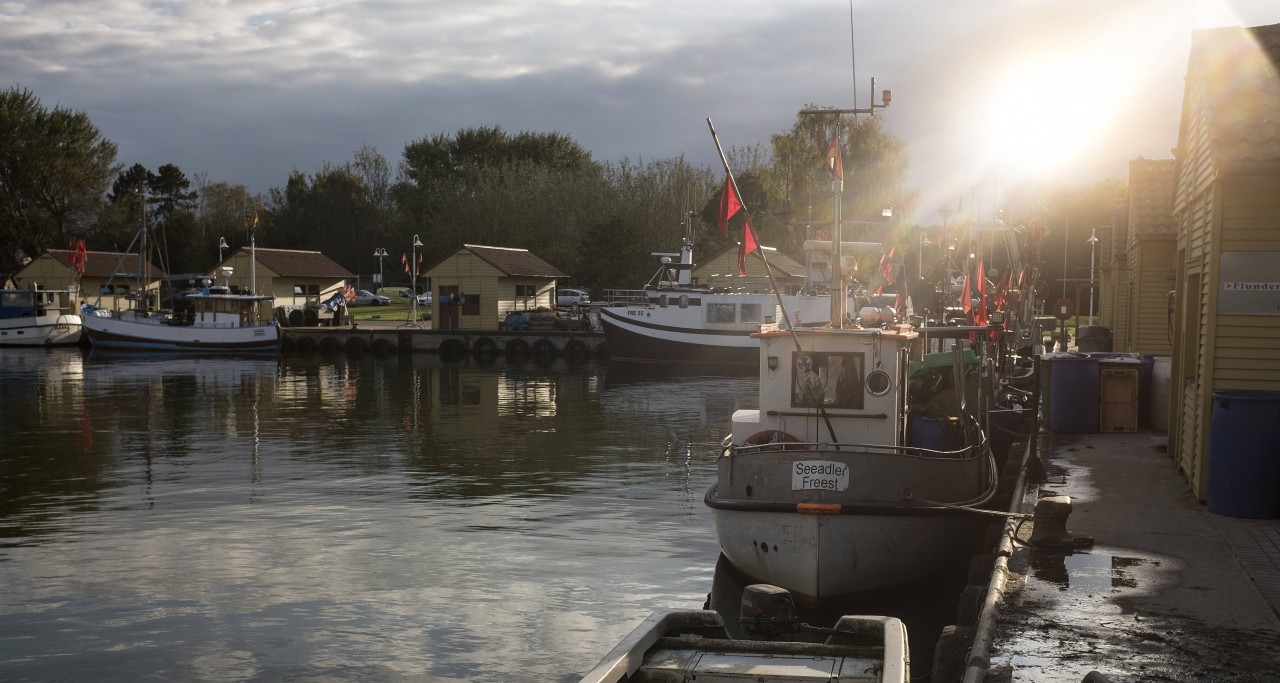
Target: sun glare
[1044,114]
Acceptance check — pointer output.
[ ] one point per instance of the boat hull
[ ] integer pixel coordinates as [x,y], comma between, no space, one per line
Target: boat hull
[825,556]
[822,521]
[637,340]
[42,330]
[156,334]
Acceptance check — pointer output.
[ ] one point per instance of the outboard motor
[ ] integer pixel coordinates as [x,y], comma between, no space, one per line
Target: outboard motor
[768,613]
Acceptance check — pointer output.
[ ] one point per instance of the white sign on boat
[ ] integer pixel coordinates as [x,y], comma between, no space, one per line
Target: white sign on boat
[820,475]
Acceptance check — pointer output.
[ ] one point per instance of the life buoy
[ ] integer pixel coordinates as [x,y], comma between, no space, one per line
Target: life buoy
[769,436]
[484,347]
[544,351]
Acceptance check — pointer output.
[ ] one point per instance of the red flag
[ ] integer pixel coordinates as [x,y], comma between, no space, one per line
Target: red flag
[966,296]
[1002,289]
[729,206]
[980,315]
[835,161]
[404,260]
[748,245]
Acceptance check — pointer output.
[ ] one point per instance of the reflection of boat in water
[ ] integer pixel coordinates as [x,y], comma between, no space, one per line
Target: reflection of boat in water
[695,645]
[37,317]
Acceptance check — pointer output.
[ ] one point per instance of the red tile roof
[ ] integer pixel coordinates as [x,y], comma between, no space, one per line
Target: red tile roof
[103,263]
[1236,72]
[297,263]
[514,262]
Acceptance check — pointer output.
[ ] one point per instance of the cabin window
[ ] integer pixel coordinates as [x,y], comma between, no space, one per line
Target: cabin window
[471,304]
[721,313]
[749,313]
[829,380]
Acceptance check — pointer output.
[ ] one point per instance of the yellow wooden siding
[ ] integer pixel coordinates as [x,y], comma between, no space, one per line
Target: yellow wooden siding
[1154,280]
[1247,349]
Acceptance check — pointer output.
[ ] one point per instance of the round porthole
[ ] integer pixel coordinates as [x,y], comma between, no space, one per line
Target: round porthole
[878,383]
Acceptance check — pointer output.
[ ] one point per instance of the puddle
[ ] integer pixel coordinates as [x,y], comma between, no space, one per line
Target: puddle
[1090,573]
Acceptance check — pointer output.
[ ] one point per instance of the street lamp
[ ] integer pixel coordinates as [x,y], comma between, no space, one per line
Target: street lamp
[1093,248]
[380,253]
[946,212]
[222,244]
[413,287]
[924,242]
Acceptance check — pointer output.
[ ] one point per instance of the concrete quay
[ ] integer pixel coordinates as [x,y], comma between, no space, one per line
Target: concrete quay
[1166,592]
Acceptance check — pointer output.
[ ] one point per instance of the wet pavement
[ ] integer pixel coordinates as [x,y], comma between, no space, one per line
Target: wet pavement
[1167,592]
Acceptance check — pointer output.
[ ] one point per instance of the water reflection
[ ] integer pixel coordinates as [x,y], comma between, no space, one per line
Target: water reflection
[1088,573]
[231,519]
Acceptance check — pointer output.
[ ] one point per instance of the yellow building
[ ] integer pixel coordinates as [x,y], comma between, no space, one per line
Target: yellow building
[480,285]
[110,279]
[1226,206]
[293,276]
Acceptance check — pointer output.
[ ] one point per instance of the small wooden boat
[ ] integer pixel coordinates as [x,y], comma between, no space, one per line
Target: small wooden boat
[695,645]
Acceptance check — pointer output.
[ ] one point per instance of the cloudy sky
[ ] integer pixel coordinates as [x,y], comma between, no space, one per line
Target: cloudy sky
[985,91]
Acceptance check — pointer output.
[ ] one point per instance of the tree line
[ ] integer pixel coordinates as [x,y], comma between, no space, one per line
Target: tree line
[597,221]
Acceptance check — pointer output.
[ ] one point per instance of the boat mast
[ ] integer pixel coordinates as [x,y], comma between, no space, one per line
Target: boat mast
[144,271]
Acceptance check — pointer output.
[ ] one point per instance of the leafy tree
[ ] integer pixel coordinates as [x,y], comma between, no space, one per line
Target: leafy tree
[54,167]
[329,211]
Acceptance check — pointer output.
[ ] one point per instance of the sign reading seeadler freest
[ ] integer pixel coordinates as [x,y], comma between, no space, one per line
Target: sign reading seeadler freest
[1250,283]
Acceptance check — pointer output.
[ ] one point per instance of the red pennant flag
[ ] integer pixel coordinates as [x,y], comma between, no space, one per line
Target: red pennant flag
[404,260]
[980,315]
[729,206]
[966,296]
[748,245]
[835,160]
[1002,290]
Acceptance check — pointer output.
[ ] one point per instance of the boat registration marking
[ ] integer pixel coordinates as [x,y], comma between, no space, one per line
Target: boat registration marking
[820,475]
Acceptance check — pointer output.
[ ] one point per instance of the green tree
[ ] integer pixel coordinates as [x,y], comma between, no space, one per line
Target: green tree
[54,168]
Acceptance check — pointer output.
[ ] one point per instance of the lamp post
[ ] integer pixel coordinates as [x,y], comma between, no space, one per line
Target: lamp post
[380,253]
[222,244]
[413,286]
[1093,248]
[946,212]
[924,242]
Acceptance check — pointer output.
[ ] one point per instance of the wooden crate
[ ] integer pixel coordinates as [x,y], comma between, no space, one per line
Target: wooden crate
[1118,407]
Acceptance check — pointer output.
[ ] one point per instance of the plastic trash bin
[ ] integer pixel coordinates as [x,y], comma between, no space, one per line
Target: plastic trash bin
[1119,379]
[1244,454]
[1094,338]
[1161,391]
[1074,408]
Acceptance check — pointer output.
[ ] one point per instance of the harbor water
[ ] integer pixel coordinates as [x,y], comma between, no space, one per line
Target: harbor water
[380,519]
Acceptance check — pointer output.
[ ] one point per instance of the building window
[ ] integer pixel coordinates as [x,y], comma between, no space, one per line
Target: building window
[471,304]
[750,313]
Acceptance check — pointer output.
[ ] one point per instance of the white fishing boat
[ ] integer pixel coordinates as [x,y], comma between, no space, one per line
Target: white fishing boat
[209,319]
[675,646]
[674,323]
[206,321]
[38,317]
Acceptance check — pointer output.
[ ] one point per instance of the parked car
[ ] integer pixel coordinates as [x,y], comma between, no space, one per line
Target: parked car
[569,297]
[366,298]
[424,299]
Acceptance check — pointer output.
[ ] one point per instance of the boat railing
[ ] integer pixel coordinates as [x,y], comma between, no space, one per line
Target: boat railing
[625,297]
[970,452]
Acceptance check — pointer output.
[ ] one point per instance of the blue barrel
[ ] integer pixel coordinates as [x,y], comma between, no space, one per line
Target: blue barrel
[1244,454]
[937,433]
[1074,409]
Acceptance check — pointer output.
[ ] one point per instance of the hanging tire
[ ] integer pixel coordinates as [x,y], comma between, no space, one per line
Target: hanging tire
[329,346]
[452,350]
[288,344]
[306,345]
[381,347]
[544,352]
[576,352]
[517,351]
[484,347]
[356,347]
[296,317]
[951,653]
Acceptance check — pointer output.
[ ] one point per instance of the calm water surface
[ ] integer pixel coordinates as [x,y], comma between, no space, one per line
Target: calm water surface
[333,519]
